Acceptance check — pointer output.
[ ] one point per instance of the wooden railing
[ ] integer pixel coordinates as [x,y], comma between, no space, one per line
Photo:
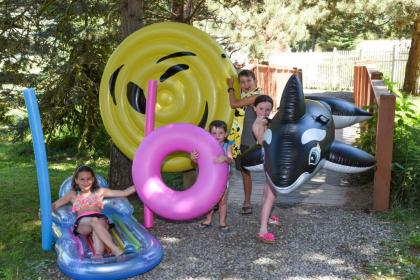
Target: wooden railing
[273,79]
[369,89]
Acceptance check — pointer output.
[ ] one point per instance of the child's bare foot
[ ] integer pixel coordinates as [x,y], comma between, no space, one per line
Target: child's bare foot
[117,252]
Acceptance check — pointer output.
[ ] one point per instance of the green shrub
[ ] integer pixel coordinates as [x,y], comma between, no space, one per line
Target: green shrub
[405,180]
[414,240]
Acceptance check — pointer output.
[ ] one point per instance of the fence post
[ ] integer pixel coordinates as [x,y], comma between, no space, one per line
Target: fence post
[374,75]
[334,74]
[384,147]
[356,84]
[393,63]
[360,54]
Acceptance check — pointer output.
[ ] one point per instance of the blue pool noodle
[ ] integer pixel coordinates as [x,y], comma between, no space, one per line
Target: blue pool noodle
[41,167]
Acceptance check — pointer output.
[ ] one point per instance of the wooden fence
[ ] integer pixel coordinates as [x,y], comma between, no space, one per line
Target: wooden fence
[369,89]
[334,70]
[272,80]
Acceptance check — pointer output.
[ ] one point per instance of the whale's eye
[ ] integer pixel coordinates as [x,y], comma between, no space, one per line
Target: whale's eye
[314,155]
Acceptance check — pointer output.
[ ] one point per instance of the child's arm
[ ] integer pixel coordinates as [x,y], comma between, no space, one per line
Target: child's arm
[64,200]
[117,193]
[228,158]
[237,103]
[258,128]
[229,154]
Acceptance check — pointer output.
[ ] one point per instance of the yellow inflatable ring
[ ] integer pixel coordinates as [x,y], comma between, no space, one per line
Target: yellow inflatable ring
[191,69]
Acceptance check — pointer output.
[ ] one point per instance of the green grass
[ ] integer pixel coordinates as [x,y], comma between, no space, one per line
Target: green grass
[21,256]
[400,258]
[416,101]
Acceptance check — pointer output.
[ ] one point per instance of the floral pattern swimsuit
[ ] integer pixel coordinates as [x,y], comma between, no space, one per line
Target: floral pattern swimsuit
[82,202]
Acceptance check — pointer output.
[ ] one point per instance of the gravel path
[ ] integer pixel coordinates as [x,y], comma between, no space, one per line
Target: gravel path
[313,243]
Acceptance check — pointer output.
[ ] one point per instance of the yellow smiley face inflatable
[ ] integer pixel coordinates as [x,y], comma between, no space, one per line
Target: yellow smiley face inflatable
[191,70]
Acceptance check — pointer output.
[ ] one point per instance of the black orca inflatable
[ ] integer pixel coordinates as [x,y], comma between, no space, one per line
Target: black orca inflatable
[300,140]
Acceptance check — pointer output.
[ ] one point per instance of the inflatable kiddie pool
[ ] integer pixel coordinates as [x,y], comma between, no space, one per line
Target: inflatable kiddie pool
[142,250]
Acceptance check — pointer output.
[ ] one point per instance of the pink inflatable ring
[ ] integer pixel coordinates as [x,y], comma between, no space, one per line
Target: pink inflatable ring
[202,195]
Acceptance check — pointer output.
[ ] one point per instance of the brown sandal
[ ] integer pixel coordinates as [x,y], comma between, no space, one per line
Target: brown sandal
[246,210]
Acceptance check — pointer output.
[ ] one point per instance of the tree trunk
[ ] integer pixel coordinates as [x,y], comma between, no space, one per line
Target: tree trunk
[412,70]
[119,173]
[131,16]
[314,38]
[184,10]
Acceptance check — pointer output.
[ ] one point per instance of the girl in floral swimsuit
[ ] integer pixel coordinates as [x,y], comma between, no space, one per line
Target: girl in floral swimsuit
[87,200]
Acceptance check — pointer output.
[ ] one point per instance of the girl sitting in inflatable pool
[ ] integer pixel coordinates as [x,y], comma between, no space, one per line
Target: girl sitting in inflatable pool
[86,198]
[218,129]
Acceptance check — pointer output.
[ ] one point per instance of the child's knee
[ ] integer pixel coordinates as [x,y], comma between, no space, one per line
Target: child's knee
[103,222]
[94,222]
[84,229]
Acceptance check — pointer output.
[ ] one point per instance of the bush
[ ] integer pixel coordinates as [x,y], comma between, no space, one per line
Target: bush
[405,180]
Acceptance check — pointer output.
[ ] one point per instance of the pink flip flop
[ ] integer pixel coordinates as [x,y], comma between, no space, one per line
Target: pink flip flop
[267,237]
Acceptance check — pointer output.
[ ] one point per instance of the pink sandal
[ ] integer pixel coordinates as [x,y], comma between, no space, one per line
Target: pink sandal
[274,220]
[267,237]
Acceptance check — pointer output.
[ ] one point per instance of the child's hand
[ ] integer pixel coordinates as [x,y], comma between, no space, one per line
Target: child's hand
[220,159]
[130,190]
[261,120]
[229,82]
[194,156]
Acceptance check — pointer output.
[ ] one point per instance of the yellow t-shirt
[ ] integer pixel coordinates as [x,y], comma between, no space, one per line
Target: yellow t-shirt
[236,130]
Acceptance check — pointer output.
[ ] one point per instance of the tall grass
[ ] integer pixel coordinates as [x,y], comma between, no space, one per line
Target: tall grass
[21,256]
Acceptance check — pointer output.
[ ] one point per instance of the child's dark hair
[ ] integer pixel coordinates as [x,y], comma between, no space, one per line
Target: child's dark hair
[263,98]
[247,73]
[218,124]
[84,168]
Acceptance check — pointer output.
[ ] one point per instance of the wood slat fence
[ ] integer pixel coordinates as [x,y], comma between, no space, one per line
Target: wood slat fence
[273,79]
[370,90]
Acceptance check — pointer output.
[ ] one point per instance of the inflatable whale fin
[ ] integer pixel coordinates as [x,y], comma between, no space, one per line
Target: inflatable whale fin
[344,113]
[347,159]
[252,159]
[292,104]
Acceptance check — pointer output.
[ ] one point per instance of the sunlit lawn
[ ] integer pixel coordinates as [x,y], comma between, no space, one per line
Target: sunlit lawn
[21,256]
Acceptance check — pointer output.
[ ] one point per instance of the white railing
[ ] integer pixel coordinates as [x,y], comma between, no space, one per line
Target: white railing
[334,70]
